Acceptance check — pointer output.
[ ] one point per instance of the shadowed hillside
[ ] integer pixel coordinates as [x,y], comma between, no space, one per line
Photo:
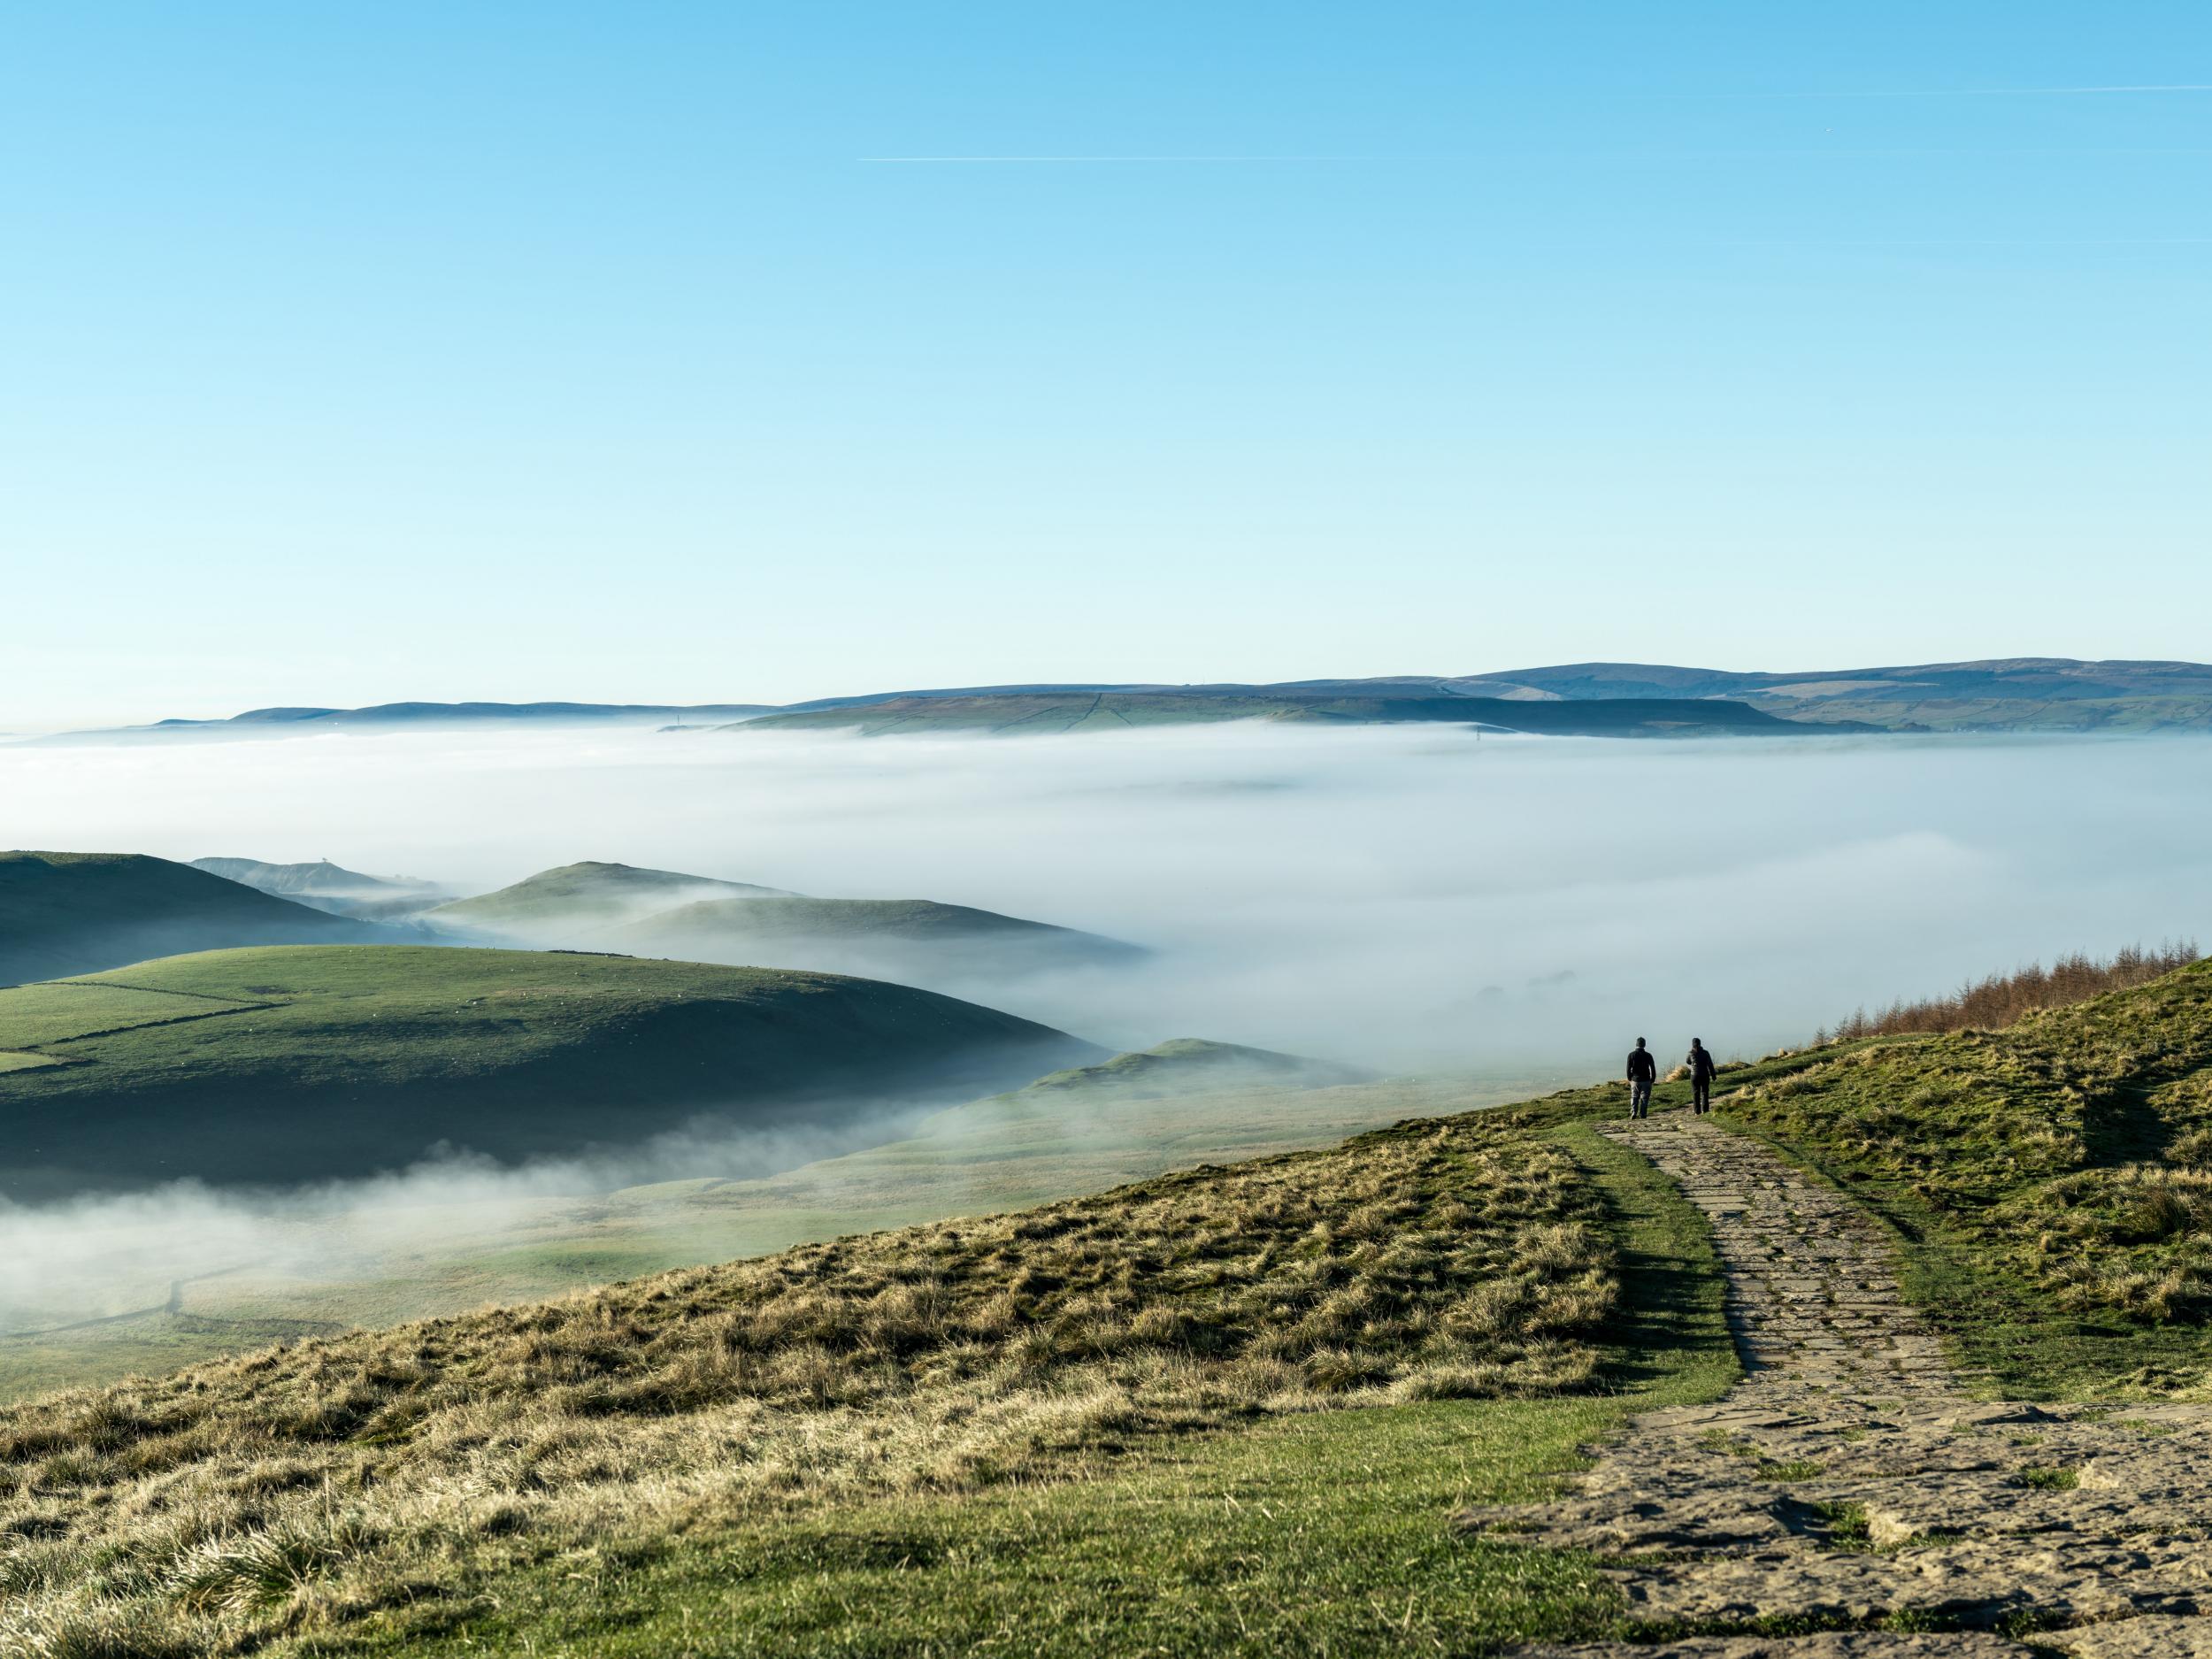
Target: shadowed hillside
[64,913]
[302,1063]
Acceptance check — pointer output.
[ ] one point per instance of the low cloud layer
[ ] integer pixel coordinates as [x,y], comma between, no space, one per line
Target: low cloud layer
[104,1255]
[1403,898]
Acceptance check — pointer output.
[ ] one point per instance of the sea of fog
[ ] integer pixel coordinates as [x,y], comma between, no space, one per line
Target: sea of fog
[1407,898]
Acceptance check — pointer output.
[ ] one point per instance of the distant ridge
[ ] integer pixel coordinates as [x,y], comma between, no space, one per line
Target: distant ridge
[280,721]
[2010,694]
[1030,713]
[333,888]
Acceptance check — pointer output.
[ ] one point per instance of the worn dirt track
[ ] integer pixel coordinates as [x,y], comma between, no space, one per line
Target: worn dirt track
[1849,1497]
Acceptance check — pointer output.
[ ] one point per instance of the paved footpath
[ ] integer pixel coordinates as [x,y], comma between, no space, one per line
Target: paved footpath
[1850,1482]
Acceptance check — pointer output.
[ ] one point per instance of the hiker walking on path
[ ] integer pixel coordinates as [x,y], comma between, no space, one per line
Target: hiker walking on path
[1643,1070]
[1700,1060]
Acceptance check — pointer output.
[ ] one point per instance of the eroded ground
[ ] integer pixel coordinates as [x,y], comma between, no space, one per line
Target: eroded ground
[1850,1497]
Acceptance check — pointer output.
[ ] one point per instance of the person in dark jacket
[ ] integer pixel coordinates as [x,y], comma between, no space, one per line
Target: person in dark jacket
[1643,1071]
[1700,1060]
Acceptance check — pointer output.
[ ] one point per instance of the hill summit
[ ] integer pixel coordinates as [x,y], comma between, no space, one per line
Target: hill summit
[70,913]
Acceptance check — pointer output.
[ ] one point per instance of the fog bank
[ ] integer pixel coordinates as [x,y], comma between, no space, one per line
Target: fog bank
[1397,898]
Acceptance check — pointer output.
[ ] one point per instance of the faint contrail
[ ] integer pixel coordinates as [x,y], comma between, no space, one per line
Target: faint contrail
[1983,92]
[1795,152]
[1031,160]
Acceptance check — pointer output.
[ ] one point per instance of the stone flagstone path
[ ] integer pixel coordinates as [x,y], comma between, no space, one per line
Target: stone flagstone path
[1850,1482]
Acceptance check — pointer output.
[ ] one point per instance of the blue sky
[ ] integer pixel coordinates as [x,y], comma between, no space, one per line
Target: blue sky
[357,353]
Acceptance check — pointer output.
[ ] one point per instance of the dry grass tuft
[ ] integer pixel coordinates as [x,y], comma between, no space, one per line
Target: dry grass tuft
[2002,998]
[300,1488]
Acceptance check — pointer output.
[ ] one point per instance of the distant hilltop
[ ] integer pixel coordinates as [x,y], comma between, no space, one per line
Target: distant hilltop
[2021,694]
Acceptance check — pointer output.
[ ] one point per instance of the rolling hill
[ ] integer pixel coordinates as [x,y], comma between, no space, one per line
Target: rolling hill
[324,885]
[302,1063]
[660,912]
[2024,694]
[568,904]
[68,913]
[894,937]
[396,717]
[1183,1064]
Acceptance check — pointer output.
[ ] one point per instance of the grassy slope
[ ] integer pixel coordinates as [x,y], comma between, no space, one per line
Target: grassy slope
[2045,1176]
[2052,1180]
[716,922]
[587,895]
[1009,1152]
[64,913]
[343,1060]
[1199,1414]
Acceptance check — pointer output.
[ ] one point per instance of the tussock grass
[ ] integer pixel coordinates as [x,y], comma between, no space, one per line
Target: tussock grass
[304,1489]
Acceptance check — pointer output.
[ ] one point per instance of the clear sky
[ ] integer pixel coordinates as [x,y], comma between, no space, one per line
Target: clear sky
[656,352]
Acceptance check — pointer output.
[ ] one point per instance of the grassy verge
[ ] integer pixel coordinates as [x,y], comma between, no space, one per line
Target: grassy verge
[354,1267]
[2012,1340]
[1314,1533]
[2050,1182]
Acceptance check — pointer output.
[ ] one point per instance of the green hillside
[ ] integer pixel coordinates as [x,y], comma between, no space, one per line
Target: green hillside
[66,913]
[853,934]
[556,905]
[298,1064]
[315,1275]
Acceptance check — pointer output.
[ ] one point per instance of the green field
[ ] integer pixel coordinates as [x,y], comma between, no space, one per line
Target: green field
[354,1059]
[68,1010]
